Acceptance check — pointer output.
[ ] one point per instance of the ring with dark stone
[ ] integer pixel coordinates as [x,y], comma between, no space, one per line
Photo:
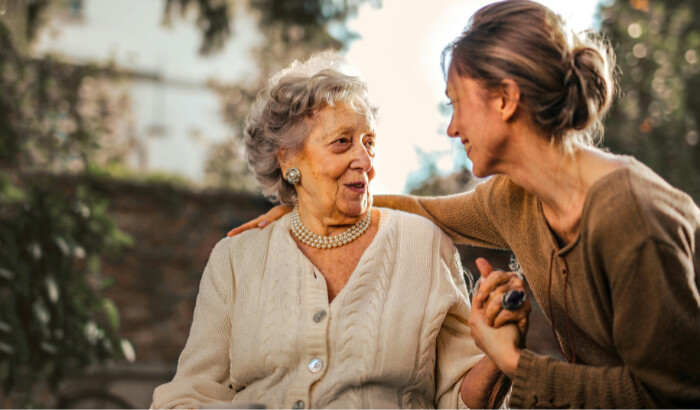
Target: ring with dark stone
[513,299]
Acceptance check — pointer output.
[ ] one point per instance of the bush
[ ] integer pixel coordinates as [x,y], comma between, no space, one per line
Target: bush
[53,320]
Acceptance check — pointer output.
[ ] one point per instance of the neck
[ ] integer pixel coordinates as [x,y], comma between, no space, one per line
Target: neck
[309,238]
[560,180]
[553,176]
[327,223]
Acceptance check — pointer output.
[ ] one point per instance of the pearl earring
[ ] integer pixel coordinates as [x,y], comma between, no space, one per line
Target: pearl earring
[293,176]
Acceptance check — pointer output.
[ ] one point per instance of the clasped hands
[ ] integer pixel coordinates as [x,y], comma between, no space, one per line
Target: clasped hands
[500,333]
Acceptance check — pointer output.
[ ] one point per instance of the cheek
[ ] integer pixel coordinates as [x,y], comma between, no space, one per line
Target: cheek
[370,174]
[326,173]
[335,168]
[461,116]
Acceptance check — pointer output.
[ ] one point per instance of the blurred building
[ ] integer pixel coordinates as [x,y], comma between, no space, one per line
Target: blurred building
[175,117]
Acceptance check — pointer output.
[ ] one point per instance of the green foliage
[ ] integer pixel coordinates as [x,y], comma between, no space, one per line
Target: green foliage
[53,320]
[656,117]
[119,171]
[304,21]
[213,19]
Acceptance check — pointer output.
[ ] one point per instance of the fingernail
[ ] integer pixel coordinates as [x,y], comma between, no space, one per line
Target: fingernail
[262,224]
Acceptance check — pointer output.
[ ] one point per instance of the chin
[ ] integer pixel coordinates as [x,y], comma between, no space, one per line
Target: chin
[481,172]
[477,173]
[356,207]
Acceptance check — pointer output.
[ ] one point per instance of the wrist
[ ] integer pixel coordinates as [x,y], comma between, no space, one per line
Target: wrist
[509,364]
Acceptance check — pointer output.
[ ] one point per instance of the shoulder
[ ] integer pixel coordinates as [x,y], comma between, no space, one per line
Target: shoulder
[249,245]
[504,199]
[634,207]
[408,223]
[637,201]
[420,232]
[252,239]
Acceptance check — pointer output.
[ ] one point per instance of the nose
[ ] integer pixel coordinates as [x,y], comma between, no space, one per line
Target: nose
[363,158]
[452,128]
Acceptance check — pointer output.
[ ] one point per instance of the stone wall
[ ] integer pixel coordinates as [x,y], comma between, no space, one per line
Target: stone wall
[156,281]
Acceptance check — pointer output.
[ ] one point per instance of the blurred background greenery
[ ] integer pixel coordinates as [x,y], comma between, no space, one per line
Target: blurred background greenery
[70,190]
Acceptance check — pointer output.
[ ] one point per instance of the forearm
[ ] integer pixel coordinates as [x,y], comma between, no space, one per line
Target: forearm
[485,386]
[542,381]
[462,217]
[404,203]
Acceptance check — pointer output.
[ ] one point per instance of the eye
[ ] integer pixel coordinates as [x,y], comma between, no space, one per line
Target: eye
[342,140]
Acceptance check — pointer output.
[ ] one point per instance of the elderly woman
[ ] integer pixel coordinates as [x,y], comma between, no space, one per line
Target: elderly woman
[336,304]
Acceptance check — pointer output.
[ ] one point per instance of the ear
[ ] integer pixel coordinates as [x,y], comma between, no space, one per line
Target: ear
[510,98]
[282,158]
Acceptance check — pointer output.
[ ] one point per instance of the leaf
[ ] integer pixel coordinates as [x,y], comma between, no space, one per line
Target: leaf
[112,313]
[6,274]
[128,350]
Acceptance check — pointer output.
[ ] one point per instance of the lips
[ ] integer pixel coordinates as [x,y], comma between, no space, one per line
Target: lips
[359,186]
[467,146]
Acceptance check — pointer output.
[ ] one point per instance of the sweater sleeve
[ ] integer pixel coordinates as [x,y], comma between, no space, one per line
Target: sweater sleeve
[203,367]
[467,217]
[656,327]
[456,352]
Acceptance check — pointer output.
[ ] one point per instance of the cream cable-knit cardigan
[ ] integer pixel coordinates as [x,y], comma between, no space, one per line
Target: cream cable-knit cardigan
[396,336]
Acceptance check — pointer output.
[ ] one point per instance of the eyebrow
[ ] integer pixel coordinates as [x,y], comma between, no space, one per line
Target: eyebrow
[343,129]
[334,132]
[347,129]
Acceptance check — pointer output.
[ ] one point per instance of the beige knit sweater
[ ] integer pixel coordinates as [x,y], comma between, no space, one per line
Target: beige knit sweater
[624,295]
[396,336]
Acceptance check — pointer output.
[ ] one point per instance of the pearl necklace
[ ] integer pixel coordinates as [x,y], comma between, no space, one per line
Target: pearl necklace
[328,242]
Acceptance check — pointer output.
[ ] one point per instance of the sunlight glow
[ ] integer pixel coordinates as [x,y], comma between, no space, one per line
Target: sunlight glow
[398,55]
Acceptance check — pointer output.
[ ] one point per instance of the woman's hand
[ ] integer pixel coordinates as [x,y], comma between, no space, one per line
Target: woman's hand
[493,285]
[263,220]
[497,331]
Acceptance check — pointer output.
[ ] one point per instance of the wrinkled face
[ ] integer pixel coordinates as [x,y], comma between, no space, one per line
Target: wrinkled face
[336,165]
[477,122]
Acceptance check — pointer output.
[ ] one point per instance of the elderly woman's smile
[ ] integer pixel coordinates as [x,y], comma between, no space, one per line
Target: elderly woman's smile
[336,164]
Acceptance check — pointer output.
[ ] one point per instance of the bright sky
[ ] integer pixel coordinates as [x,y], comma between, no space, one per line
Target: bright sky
[399,57]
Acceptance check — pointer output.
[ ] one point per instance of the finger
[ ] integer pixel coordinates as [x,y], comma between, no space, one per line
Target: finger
[523,326]
[496,279]
[488,285]
[520,318]
[509,316]
[277,212]
[485,270]
[475,317]
[492,306]
[484,266]
[516,283]
[255,223]
[263,220]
